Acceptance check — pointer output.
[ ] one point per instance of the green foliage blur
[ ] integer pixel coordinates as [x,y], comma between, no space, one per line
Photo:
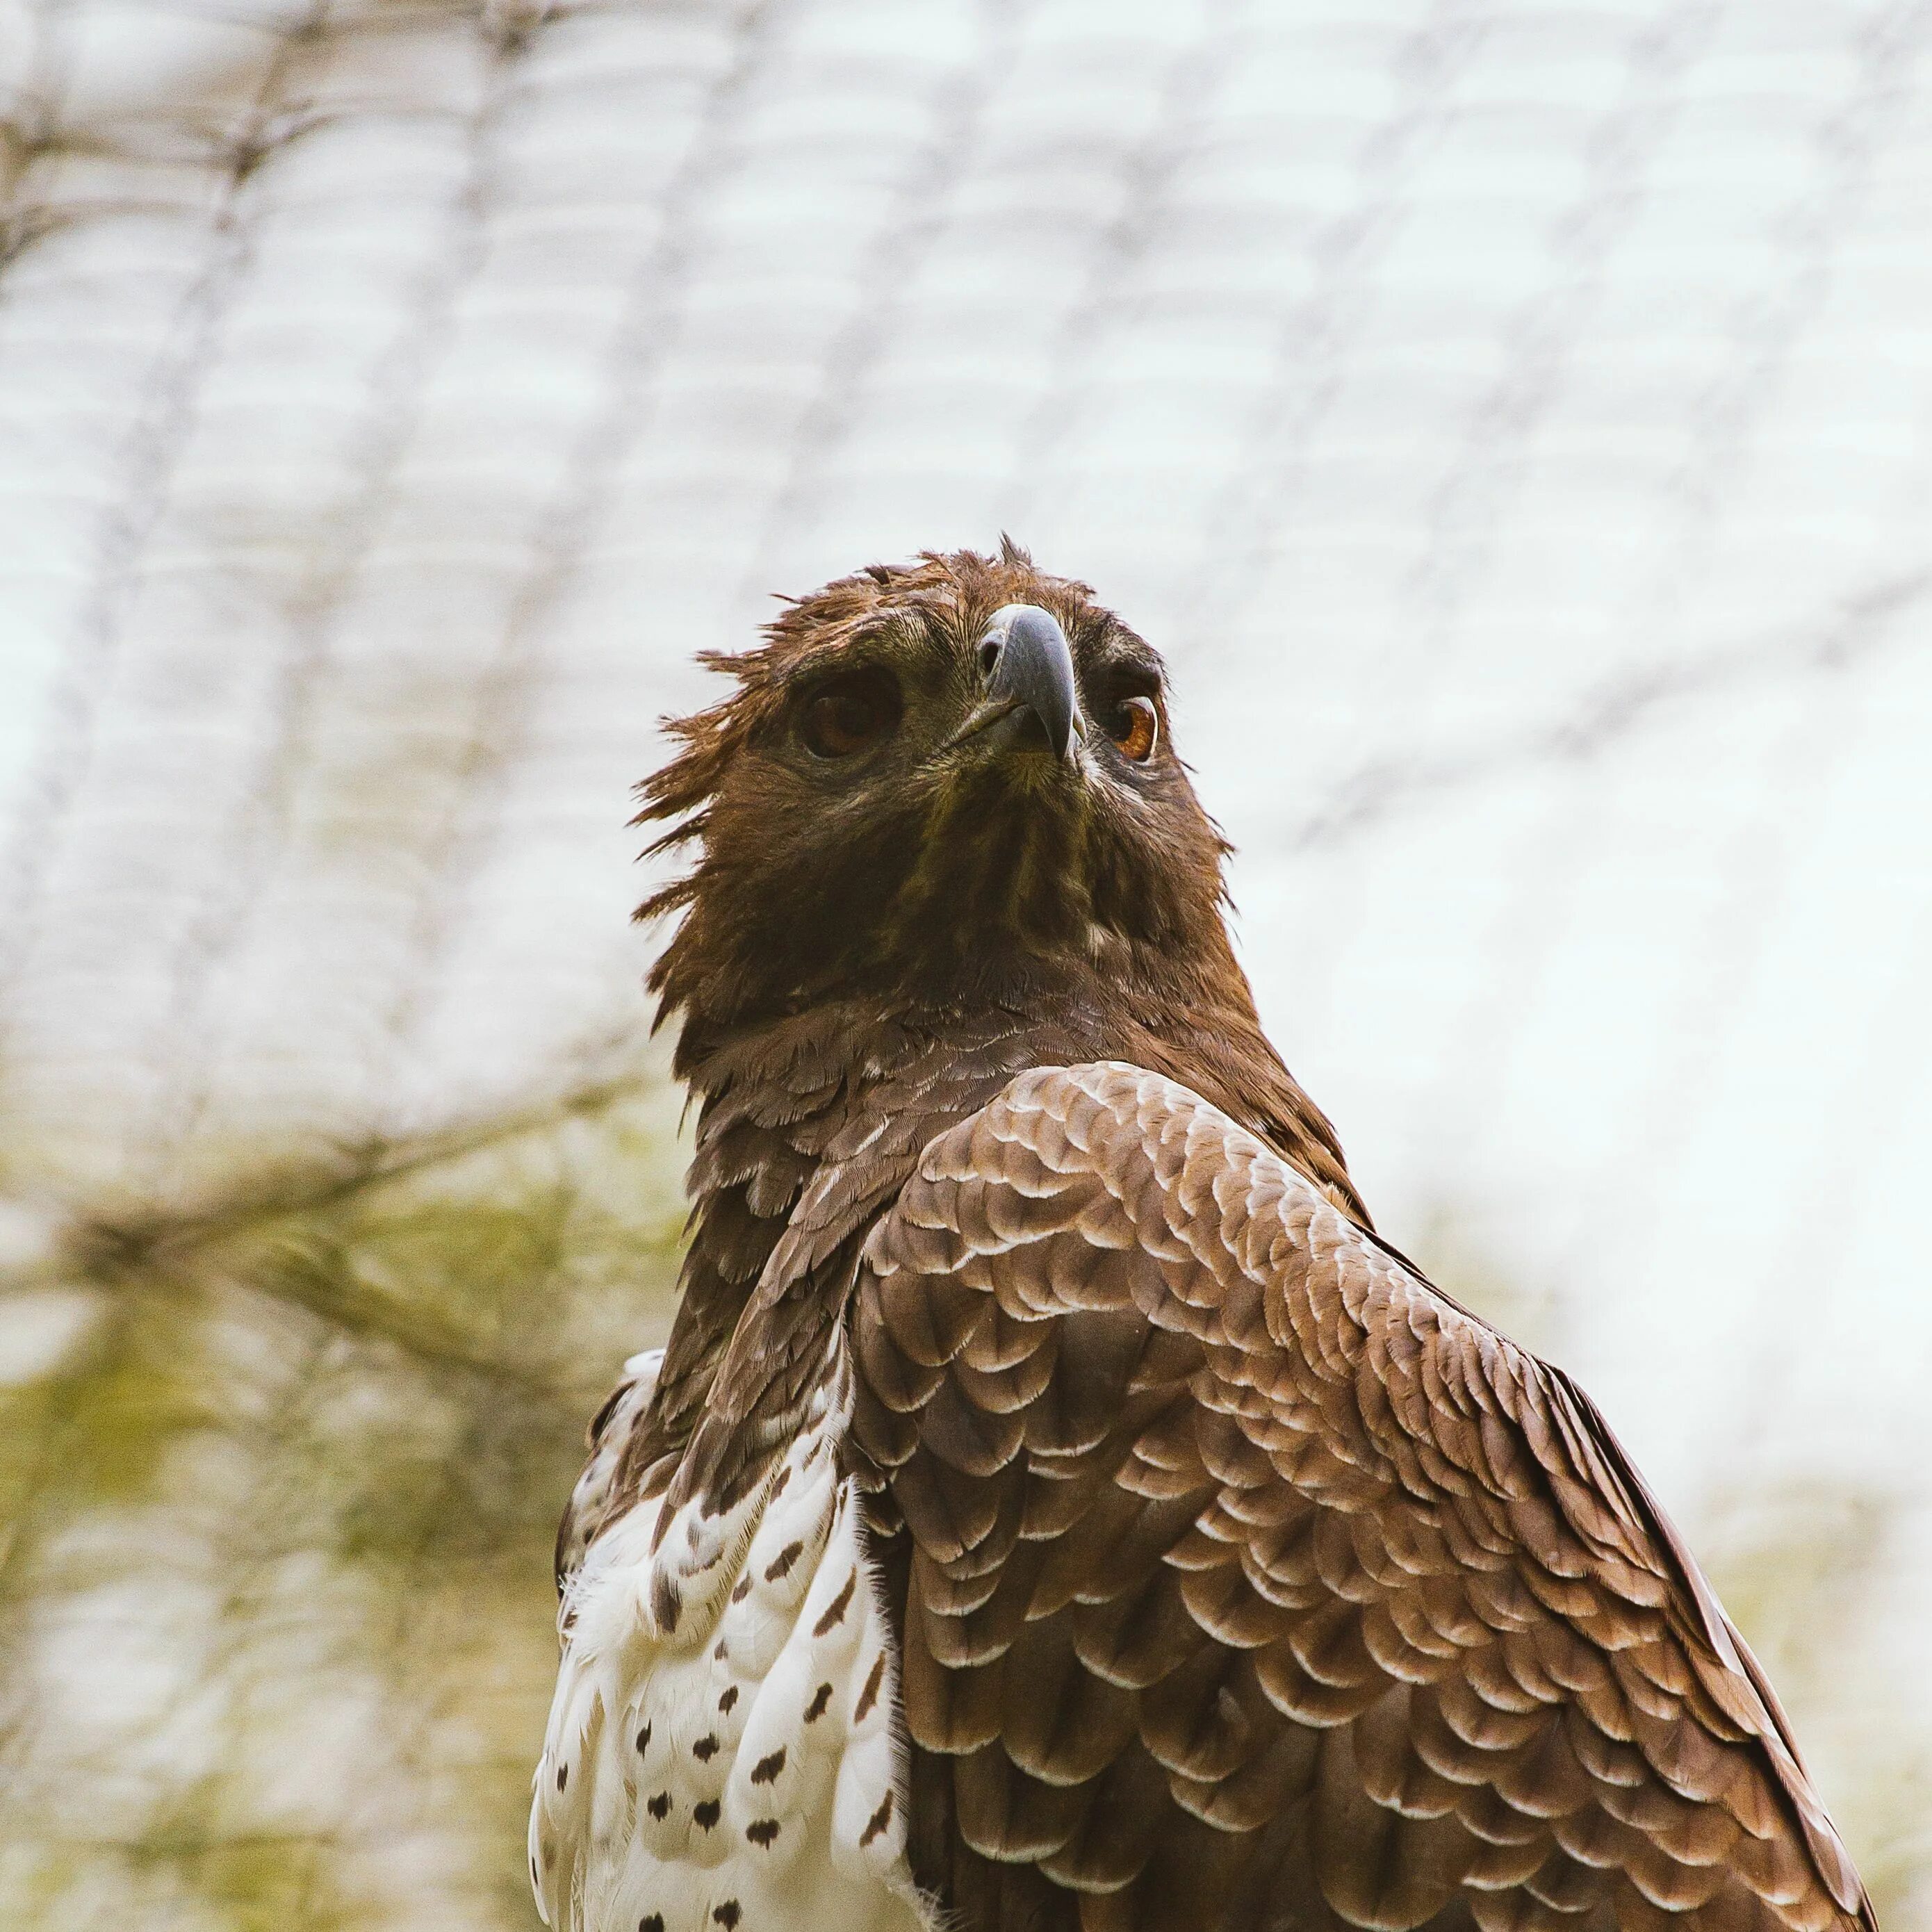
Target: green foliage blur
[279,1486]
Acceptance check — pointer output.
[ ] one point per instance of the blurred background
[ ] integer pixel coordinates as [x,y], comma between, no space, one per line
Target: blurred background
[1513,421]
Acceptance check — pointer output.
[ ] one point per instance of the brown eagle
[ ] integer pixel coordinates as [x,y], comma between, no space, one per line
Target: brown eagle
[1056,1506]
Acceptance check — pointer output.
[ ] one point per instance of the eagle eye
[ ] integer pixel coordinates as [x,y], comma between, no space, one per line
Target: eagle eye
[1135,727]
[848,714]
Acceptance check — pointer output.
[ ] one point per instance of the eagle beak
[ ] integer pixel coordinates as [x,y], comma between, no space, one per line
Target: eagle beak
[1027,666]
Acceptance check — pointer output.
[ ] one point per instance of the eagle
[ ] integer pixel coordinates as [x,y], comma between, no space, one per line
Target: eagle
[1056,1508]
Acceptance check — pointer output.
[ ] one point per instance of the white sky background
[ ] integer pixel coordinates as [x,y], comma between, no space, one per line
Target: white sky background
[1514,423]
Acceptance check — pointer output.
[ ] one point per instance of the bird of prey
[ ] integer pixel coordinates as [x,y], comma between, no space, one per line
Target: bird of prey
[1056,1506]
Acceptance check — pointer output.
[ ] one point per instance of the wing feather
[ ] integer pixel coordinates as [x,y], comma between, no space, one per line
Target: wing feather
[1254,1581]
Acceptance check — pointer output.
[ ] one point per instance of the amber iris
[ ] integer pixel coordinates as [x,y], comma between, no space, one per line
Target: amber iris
[1136,729]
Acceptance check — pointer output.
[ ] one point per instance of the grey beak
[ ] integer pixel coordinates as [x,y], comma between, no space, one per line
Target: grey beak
[1027,662]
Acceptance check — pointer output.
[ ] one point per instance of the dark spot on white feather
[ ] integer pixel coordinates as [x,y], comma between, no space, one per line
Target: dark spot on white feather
[707,1814]
[643,1740]
[766,1771]
[659,1807]
[780,1564]
[665,1605]
[869,1695]
[652,1922]
[764,1832]
[879,1820]
[741,1589]
[834,1611]
[721,1653]
[816,1708]
[563,1776]
[706,1748]
[729,1698]
[727,1914]
[779,1481]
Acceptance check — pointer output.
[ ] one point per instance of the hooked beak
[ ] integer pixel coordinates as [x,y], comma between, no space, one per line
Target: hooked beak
[1028,667]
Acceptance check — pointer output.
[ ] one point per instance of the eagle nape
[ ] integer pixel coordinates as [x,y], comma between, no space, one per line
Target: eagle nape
[1054,1509]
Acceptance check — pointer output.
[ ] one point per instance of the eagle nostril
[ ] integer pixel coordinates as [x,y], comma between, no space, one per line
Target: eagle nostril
[989,656]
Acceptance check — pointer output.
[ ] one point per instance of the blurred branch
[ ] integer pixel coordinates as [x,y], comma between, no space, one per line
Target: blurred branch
[159,1248]
[106,1247]
[1385,788]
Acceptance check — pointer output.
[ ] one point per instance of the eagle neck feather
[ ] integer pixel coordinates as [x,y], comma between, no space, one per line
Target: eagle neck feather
[810,1122]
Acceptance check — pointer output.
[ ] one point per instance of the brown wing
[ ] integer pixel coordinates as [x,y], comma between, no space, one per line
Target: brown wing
[1247,1581]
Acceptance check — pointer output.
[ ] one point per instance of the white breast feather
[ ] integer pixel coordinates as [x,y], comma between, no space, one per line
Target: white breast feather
[721,1751]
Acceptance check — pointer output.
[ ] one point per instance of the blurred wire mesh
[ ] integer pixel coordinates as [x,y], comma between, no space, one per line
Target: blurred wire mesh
[1515,423]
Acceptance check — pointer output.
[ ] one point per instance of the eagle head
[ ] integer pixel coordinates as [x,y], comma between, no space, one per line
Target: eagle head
[951,779]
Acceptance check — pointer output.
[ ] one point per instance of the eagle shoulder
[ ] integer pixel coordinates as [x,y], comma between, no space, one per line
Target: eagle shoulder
[1242,1566]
